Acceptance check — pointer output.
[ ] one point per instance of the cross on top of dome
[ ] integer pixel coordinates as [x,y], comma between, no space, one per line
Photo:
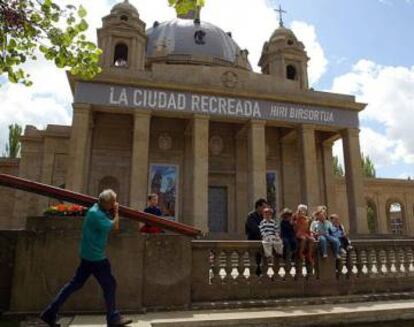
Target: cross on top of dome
[280,11]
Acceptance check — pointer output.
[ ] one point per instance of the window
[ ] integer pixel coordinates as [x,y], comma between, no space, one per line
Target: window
[124,18]
[291,72]
[121,55]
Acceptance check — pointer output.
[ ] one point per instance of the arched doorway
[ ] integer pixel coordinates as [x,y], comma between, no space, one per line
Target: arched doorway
[121,55]
[396,219]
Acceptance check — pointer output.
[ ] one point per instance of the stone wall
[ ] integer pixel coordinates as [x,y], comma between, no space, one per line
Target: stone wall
[110,163]
[152,271]
[7,195]
[7,258]
[43,159]
[166,272]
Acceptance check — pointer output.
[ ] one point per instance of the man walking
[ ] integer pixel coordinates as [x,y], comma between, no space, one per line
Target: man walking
[95,230]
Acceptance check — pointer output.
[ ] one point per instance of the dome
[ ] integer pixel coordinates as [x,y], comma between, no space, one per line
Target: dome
[124,7]
[193,42]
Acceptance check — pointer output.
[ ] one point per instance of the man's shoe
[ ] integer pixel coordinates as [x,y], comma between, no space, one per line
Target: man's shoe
[49,320]
[121,321]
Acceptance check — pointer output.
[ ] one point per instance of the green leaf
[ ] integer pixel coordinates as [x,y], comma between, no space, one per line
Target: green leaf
[12,44]
[82,12]
[43,49]
[70,20]
[83,25]
[60,61]
[12,77]
[36,18]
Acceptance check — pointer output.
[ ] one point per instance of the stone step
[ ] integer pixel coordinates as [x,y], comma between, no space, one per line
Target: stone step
[290,316]
[283,302]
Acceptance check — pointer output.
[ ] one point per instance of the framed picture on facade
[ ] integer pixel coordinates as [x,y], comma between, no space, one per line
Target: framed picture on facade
[163,180]
[272,189]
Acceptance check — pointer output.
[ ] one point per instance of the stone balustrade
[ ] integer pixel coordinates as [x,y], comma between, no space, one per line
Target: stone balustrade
[227,270]
[167,272]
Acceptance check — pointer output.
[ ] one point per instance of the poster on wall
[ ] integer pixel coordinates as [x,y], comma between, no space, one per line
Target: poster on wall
[163,180]
[271,189]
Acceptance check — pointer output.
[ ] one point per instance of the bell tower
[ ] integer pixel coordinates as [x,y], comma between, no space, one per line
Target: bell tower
[122,38]
[284,56]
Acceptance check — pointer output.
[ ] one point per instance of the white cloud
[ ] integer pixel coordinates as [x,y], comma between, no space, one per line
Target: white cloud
[46,102]
[388,90]
[318,62]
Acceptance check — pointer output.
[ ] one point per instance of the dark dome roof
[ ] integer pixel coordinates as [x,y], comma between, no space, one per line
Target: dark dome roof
[186,41]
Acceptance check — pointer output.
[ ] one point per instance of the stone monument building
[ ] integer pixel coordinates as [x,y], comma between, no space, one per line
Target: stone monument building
[179,111]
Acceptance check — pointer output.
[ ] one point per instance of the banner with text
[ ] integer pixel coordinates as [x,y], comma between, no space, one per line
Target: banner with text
[175,101]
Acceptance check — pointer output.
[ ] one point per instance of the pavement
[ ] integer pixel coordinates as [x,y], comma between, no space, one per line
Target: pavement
[303,316]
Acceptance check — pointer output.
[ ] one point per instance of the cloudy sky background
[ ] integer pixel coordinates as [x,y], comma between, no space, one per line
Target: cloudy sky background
[357,47]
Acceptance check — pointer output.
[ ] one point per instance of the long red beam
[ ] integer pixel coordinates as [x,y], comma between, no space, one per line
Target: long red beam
[87,200]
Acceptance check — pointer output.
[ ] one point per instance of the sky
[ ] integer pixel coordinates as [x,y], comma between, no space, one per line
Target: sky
[364,48]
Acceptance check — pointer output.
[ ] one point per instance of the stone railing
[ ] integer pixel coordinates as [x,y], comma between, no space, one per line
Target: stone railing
[166,272]
[230,270]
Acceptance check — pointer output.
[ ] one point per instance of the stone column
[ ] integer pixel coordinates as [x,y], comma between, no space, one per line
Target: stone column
[140,160]
[409,213]
[256,147]
[310,192]
[354,182]
[200,142]
[382,217]
[329,177]
[242,205]
[79,150]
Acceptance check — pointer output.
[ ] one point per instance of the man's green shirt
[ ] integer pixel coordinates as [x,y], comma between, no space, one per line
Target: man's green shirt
[95,231]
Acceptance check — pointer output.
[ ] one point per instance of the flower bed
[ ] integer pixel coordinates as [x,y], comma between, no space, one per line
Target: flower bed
[66,210]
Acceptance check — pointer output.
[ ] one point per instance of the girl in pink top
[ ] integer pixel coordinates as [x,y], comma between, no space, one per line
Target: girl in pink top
[305,238]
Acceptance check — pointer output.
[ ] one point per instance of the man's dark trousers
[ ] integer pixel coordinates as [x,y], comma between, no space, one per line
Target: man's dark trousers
[101,270]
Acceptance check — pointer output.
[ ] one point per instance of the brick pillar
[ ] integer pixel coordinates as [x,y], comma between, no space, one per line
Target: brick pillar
[256,147]
[79,151]
[140,160]
[310,193]
[200,141]
[329,177]
[354,182]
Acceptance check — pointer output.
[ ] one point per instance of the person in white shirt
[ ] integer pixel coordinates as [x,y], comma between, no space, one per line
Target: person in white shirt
[269,229]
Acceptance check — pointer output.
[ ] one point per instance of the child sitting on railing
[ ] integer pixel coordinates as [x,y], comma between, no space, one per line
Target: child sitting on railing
[287,232]
[338,230]
[303,234]
[269,230]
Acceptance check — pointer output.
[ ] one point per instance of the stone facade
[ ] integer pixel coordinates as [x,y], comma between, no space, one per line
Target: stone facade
[220,151]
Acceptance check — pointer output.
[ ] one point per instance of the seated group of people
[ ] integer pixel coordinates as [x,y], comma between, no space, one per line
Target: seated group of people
[293,234]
